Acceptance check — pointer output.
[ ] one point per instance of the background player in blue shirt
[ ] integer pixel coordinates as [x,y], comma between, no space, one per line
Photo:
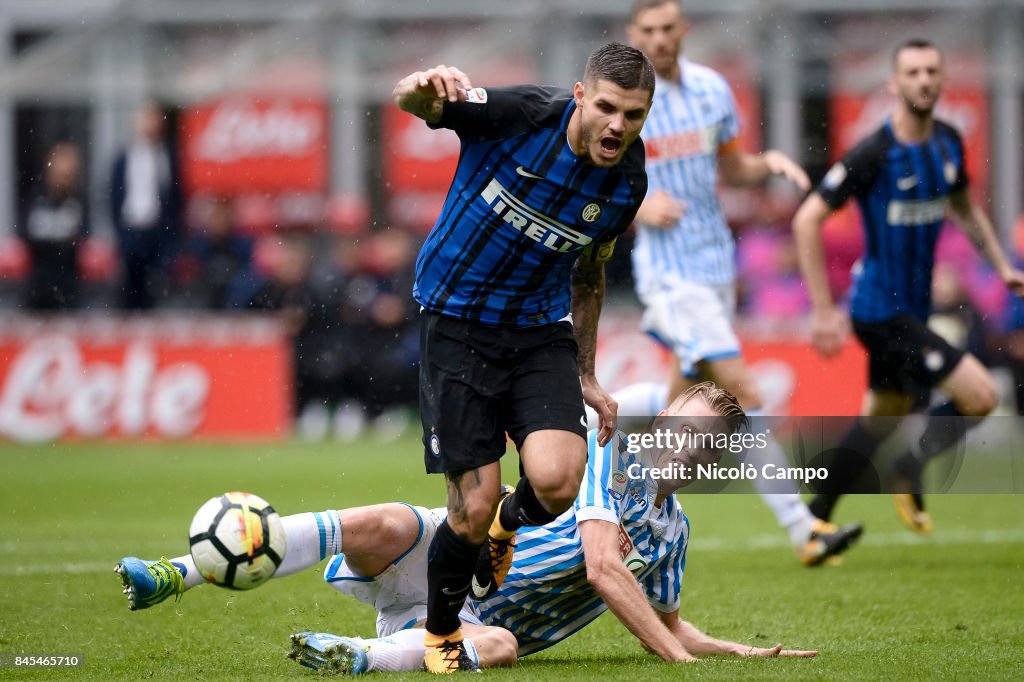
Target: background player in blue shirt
[903,177]
[629,528]
[511,280]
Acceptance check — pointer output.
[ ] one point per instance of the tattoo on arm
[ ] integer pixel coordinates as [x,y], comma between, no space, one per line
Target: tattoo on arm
[587,297]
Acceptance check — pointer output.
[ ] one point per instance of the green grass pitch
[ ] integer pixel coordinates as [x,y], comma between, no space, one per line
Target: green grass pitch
[950,606]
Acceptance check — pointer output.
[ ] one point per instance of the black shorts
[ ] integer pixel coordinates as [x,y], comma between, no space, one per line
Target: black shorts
[479,382]
[905,356]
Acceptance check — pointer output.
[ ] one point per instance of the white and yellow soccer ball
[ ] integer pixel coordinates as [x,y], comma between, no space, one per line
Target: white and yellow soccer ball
[237,540]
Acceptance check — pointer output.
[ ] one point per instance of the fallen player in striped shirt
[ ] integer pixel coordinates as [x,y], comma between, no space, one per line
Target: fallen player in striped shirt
[622,547]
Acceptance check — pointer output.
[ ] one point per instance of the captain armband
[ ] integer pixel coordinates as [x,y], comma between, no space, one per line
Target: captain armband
[599,252]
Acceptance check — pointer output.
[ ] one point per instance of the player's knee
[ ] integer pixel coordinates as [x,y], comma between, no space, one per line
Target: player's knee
[388,530]
[981,401]
[497,648]
[377,528]
[557,495]
[509,648]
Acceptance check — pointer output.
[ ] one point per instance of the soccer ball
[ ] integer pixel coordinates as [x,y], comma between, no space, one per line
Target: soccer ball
[237,540]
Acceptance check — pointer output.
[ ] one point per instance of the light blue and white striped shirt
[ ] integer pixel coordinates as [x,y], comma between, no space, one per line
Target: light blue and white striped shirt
[546,596]
[688,123]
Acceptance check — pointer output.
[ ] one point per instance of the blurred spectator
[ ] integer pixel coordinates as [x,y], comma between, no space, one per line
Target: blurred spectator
[332,278]
[146,207]
[320,354]
[53,230]
[216,262]
[367,281]
[353,321]
[382,317]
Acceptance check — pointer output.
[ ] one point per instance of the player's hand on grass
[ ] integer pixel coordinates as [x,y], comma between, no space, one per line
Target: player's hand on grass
[780,164]
[828,330]
[605,406]
[777,650]
[661,209]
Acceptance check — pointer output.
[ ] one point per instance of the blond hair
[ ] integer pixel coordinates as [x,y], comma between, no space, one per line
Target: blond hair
[718,399]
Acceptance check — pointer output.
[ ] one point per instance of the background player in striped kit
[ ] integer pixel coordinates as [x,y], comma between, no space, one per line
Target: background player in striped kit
[547,179]
[631,531]
[684,261]
[903,176]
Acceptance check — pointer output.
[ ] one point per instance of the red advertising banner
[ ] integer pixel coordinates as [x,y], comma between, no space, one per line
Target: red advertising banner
[245,144]
[205,378]
[792,378]
[418,167]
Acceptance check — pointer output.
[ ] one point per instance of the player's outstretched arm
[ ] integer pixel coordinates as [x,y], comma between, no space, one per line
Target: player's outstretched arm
[423,93]
[587,299]
[976,224]
[701,644]
[741,169]
[828,324]
[621,592]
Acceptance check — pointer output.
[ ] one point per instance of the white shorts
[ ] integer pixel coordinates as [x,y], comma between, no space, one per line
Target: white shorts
[693,320]
[399,593]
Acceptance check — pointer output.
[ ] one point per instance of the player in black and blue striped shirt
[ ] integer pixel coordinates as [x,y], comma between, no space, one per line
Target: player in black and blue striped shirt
[511,280]
[903,176]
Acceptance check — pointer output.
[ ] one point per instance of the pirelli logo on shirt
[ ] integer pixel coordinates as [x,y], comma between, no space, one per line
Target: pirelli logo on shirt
[535,225]
[918,212]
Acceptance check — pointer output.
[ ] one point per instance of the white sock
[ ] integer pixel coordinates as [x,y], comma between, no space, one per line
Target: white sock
[792,514]
[309,538]
[403,651]
[644,399]
[782,497]
[188,568]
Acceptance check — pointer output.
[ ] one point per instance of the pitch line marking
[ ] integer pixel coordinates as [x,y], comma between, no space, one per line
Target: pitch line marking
[712,544]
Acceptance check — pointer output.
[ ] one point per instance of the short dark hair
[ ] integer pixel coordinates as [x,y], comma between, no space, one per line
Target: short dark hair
[643,5]
[625,66]
[913,44]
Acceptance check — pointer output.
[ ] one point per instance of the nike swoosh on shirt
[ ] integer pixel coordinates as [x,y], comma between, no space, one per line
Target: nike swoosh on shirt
[527,174]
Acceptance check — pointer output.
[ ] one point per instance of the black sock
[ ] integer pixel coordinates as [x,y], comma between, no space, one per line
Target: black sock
[450,562]
[946,425]
[522,508]
[846,463]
